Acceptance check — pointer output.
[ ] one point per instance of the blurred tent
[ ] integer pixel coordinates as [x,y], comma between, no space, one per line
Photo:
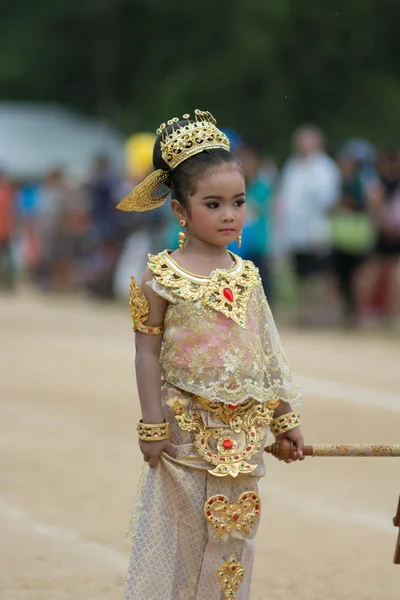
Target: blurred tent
[37,137]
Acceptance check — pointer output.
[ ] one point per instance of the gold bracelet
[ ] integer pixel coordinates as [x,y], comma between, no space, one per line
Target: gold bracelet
[149,330]
[148,432]
[284,423]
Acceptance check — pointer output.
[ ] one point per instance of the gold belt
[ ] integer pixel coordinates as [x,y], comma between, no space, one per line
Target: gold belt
[216,445]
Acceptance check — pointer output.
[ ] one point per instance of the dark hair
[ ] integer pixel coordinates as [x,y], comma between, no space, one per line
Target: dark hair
[182,179]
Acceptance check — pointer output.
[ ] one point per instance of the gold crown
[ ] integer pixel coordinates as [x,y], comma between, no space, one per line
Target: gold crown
[179,142]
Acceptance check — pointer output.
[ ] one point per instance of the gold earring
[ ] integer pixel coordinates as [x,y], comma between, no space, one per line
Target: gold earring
[239,240]
[182,235]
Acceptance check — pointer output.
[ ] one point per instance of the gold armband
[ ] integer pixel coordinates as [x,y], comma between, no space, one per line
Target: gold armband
[284,423]
[148,432]
[139,308]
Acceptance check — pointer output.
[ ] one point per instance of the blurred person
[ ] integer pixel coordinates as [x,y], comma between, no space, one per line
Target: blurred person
[353,238]
[50,227]
[256,234]
[100,268]
[7,223]
[102,192]
[308,189]
[386,197]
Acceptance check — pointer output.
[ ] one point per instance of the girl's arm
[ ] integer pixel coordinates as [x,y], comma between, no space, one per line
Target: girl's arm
[147,362]
[148,372]
[282,409]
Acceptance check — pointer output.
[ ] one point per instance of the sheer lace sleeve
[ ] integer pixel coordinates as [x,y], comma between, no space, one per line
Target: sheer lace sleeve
[275,362]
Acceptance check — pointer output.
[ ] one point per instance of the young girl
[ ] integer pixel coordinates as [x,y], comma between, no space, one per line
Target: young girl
[212,377]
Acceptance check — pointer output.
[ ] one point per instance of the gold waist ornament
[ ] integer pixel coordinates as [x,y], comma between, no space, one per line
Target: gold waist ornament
[219,447]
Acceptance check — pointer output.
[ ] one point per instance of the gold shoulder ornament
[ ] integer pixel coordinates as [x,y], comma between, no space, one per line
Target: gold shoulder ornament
[139,308]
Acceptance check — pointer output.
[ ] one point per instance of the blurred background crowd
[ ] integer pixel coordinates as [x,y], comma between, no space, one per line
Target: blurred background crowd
[307,94]
[323,228]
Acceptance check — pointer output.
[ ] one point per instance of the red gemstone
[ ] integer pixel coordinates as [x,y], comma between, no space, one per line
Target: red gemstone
[150,331]
[228,294]
[236,517]
[233,568]
[227,444]
[233,406]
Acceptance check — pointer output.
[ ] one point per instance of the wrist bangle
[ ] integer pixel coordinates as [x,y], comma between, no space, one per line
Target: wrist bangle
[284,423]
[148,432]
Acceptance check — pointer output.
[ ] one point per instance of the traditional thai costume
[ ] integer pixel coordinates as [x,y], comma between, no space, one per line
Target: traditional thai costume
[223,373]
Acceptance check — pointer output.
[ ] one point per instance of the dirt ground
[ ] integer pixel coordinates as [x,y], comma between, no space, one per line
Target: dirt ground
[70,462]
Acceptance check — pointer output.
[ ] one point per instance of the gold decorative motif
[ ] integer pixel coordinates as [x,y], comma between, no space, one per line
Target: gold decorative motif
[226,412]
[222,450]
[355,450]
[284,423]
[139,308]
[230,576]
[227,290]
[179,142]
[149,432]
[141,197]
[240,516]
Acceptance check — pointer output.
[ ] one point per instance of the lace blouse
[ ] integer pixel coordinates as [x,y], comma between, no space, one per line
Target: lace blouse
[220,340]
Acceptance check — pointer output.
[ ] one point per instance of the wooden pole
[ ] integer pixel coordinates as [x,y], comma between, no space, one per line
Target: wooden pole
[396,523]
[284,449]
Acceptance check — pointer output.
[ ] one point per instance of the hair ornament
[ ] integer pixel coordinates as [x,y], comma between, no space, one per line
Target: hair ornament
[178,143]
[141,197]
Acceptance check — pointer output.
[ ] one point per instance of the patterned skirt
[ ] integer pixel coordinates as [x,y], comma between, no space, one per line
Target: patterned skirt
[195,517]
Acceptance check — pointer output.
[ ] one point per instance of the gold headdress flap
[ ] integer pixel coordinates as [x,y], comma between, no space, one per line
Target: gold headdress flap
[141,197]
[178,142]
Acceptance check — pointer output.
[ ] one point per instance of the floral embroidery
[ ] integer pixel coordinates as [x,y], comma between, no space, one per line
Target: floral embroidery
[207,353]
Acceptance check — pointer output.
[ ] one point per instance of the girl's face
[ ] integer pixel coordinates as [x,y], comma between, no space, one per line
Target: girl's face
[218,206]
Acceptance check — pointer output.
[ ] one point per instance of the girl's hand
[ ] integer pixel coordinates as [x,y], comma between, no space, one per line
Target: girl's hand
[152,451]
[295,436]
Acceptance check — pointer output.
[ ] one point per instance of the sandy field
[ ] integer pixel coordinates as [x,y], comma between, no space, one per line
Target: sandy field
[69,461]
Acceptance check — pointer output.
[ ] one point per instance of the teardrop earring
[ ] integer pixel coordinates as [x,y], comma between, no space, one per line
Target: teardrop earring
[239,240]
[182,235]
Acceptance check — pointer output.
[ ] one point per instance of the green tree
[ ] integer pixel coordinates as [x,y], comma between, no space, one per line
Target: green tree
[259,66]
